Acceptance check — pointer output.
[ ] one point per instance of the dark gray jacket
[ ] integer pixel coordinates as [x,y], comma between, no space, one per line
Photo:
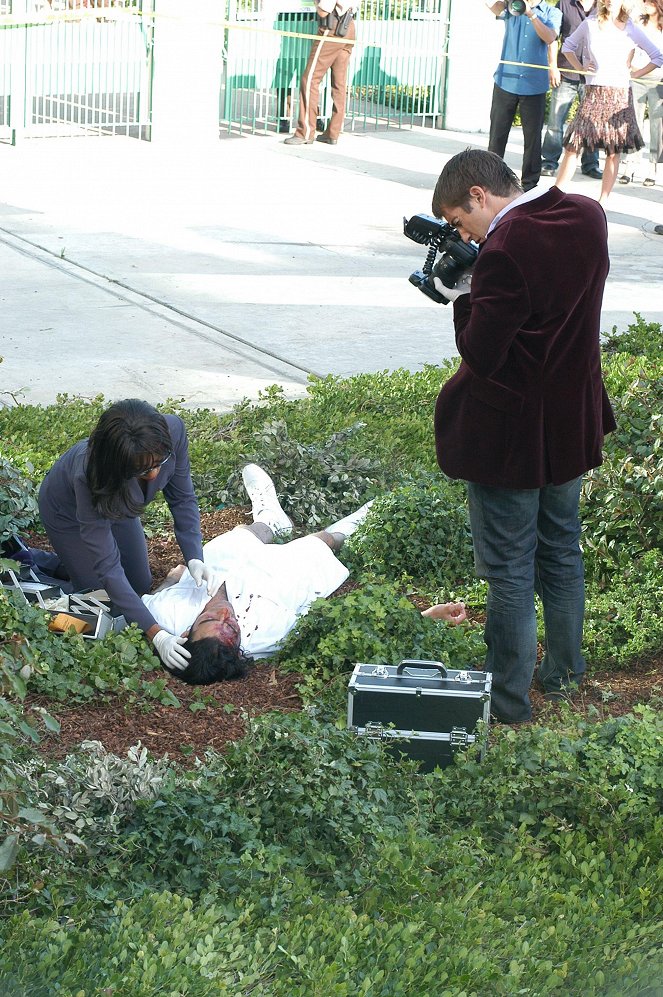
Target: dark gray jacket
[65,504]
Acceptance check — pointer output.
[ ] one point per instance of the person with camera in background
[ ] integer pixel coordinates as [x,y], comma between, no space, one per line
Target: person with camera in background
[530,27]
[565,87]
[335,20]
[525,415]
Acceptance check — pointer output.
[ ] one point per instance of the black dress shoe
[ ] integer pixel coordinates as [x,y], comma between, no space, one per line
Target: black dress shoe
[595,174]
[496,719]
[326,139]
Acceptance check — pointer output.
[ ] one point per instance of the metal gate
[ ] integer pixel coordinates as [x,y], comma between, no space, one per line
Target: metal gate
[75,67]
[396,76]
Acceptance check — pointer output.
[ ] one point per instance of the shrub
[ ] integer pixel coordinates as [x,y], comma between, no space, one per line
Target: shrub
[623,620]
[537,871]
[18,501]
[68,667]
[641,339]
[41,434]
[622,501]
[374,624]
[316,483]
[420,530]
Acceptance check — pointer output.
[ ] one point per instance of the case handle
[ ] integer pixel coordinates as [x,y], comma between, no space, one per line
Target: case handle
[422,663]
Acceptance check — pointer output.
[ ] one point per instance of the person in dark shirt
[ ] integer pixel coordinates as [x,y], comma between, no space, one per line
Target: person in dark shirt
[91,501]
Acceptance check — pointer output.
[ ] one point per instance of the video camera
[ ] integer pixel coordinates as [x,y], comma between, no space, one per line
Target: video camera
[517,7]
[457,256]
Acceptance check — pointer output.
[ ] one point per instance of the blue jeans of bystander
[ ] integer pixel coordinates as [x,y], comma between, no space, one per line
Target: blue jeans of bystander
[561,101]
[646,94]
[527,541]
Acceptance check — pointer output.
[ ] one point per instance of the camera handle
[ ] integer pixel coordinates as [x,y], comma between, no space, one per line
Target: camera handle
[429,262]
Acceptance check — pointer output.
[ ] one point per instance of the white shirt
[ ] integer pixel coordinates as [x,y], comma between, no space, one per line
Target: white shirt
[608,48]
[268,585]
[641,58]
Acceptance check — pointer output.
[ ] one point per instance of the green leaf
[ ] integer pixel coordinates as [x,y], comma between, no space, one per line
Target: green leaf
[8,852]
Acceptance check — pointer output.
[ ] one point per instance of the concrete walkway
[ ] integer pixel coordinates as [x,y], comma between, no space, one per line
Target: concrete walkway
[132,269]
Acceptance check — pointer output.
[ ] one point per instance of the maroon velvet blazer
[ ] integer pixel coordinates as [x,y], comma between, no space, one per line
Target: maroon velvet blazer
[527,406]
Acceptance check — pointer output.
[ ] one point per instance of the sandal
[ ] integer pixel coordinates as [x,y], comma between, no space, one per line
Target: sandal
[625,178]
[648,182]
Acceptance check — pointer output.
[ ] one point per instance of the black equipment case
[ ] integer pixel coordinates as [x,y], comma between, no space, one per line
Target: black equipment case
[420,708]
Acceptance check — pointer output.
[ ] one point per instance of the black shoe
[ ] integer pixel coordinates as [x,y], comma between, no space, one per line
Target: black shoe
[546,171]
[284,125]
[595,174]
[556,696]
[658,229]
[495,719]
[326,139]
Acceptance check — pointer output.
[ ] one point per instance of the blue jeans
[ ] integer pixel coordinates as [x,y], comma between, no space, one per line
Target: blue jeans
[650,96]
[527,541]
[561,100]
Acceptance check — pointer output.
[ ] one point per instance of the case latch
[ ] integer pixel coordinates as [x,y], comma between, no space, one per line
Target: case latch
[458,737]
[380,671]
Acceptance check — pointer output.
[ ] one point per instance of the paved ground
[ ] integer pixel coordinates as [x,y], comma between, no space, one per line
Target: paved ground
[132,269]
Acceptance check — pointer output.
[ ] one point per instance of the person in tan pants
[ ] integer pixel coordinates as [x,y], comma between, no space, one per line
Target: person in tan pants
[325,55]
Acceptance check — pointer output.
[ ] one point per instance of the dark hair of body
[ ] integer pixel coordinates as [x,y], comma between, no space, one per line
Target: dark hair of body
[472,168]
[211,661]
[128,438]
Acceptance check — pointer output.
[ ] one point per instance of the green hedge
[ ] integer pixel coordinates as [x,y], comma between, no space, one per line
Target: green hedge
[309,863]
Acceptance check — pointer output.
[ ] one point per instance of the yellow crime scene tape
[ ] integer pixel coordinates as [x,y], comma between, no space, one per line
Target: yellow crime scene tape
[116,14]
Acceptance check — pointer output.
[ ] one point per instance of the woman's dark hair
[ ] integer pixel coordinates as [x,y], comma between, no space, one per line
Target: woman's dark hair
[128,439]
[472,168]
[212,661]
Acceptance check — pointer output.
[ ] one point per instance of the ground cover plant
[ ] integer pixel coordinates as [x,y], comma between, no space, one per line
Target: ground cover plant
[300,860]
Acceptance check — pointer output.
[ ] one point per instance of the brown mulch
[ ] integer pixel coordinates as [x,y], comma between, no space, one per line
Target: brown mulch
[183,734]
[176,731]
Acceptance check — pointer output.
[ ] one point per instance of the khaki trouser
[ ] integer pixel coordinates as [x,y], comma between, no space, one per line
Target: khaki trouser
[324,56]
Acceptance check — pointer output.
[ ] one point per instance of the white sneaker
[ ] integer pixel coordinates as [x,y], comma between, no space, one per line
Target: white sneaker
[349,524]
[265,506]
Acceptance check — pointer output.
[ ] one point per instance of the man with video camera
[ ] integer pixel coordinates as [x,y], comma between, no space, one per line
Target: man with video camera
[524,416]
[530,26]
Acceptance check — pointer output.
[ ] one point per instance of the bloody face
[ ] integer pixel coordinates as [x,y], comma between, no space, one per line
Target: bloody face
[218,621]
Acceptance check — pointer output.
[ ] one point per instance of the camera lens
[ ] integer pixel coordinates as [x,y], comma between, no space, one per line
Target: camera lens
[517,7]
[455,260]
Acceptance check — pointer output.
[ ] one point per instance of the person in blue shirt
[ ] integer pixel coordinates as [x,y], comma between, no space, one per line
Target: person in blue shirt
[520,85]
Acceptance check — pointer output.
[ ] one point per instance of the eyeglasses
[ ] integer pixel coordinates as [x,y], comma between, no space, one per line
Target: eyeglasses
[154,467]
